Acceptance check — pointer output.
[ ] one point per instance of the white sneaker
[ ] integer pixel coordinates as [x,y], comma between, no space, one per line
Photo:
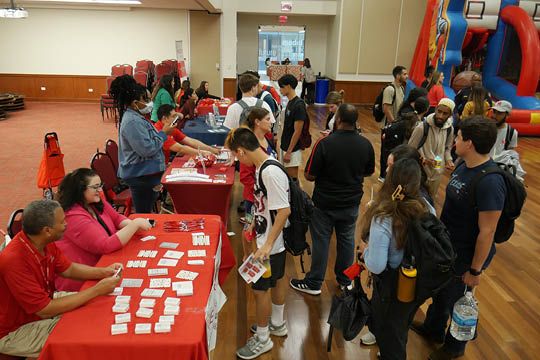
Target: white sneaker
[254,348]
[368,339]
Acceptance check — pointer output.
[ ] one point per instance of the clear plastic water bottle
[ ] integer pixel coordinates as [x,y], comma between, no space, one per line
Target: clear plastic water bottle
[464,318]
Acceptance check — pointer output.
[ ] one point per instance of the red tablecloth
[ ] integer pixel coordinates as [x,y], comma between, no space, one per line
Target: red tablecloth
[85,333]
[206,107]
[201,197]
[205,198]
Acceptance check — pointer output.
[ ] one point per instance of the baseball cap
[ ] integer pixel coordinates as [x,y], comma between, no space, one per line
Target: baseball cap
[502,106]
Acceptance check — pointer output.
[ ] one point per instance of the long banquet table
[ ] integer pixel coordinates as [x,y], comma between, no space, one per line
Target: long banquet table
[85,333]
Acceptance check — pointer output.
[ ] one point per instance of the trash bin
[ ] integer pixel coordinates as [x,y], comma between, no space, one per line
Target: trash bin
[321,90]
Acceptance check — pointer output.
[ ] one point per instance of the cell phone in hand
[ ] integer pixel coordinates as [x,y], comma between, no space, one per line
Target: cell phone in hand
[152,222]
[175,121]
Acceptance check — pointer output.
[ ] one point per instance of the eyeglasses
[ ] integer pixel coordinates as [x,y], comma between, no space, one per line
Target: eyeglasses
[96,187]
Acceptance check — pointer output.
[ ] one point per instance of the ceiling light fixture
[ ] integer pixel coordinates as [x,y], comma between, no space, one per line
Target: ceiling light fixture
[13,12]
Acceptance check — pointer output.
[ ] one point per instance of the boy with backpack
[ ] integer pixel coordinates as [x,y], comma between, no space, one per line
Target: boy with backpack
[295,136]
[386,106]
[238,112]
[271,211]
[472,228]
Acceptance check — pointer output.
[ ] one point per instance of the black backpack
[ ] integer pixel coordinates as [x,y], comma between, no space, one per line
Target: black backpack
[426,130]
[393,134]
[513,203]
[246,109]
[378,112]
[429,249]
[301,209]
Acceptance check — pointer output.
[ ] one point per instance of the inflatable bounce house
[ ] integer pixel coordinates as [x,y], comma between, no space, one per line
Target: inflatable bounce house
[498,38]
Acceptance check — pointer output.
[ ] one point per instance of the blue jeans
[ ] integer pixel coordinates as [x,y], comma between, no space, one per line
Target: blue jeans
[143,192]
[322,225]
[441,309]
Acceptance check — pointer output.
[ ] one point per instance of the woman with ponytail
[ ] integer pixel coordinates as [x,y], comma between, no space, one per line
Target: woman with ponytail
[93,227]
[384,228]
[140,145]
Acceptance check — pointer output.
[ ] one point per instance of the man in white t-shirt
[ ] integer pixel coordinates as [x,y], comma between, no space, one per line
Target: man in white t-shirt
[271,211]
[249,85]
[507,136]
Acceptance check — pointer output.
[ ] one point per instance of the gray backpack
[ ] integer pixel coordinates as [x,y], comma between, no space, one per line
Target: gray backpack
[246,109]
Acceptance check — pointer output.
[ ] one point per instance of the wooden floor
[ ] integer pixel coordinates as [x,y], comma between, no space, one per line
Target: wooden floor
[509,325]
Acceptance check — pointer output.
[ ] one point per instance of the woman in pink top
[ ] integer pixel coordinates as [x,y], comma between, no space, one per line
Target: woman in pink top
[93,228]
[435,90]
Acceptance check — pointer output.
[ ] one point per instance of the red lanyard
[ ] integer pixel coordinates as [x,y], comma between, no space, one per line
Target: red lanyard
[46,278]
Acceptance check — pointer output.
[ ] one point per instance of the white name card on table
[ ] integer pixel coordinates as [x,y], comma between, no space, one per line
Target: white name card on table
[160,283]
[147,303]
[117,329]
[168,245]
[187,275]
[162,327]
[122,318]
[173,254]
[157,293]
[200,239]
[120,308]
[195,262]
[143,328]
[171,310]
[196,253]
[183,288]
[149,237]
[167,319]
[172,301]
[158,272]
[123,299]
[177,171]
[168,262]
[144,312]
[117,291]
[131,282]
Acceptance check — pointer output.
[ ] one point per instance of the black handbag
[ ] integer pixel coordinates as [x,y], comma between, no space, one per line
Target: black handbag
[349,312]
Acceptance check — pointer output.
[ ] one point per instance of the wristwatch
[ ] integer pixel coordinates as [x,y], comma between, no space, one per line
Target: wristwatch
[475,272]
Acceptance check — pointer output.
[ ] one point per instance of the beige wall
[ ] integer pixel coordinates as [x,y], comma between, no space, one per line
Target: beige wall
[89,42]
[248,39]
[332,42]
[377,35]
[205,50]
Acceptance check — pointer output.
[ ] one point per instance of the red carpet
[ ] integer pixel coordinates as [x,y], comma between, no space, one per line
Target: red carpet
[80,131]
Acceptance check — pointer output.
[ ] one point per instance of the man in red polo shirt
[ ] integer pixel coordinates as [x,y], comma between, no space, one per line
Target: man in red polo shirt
[29,307]
[177,141]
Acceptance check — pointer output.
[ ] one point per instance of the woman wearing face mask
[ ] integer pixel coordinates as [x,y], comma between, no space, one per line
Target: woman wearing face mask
[140,145]
[163,94]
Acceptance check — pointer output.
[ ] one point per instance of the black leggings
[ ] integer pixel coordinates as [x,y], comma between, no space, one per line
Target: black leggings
[390,318]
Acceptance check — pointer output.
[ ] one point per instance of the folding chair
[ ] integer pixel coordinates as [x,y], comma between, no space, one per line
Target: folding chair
[162,69]
[141,77]
[114,193]
[15,223]
[128,69]
[106,102]
[117,70]
[111,149]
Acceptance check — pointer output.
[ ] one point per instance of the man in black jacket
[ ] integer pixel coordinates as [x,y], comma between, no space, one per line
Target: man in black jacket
[338,164]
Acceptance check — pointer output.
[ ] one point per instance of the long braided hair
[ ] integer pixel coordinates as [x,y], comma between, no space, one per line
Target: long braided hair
[124,90]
